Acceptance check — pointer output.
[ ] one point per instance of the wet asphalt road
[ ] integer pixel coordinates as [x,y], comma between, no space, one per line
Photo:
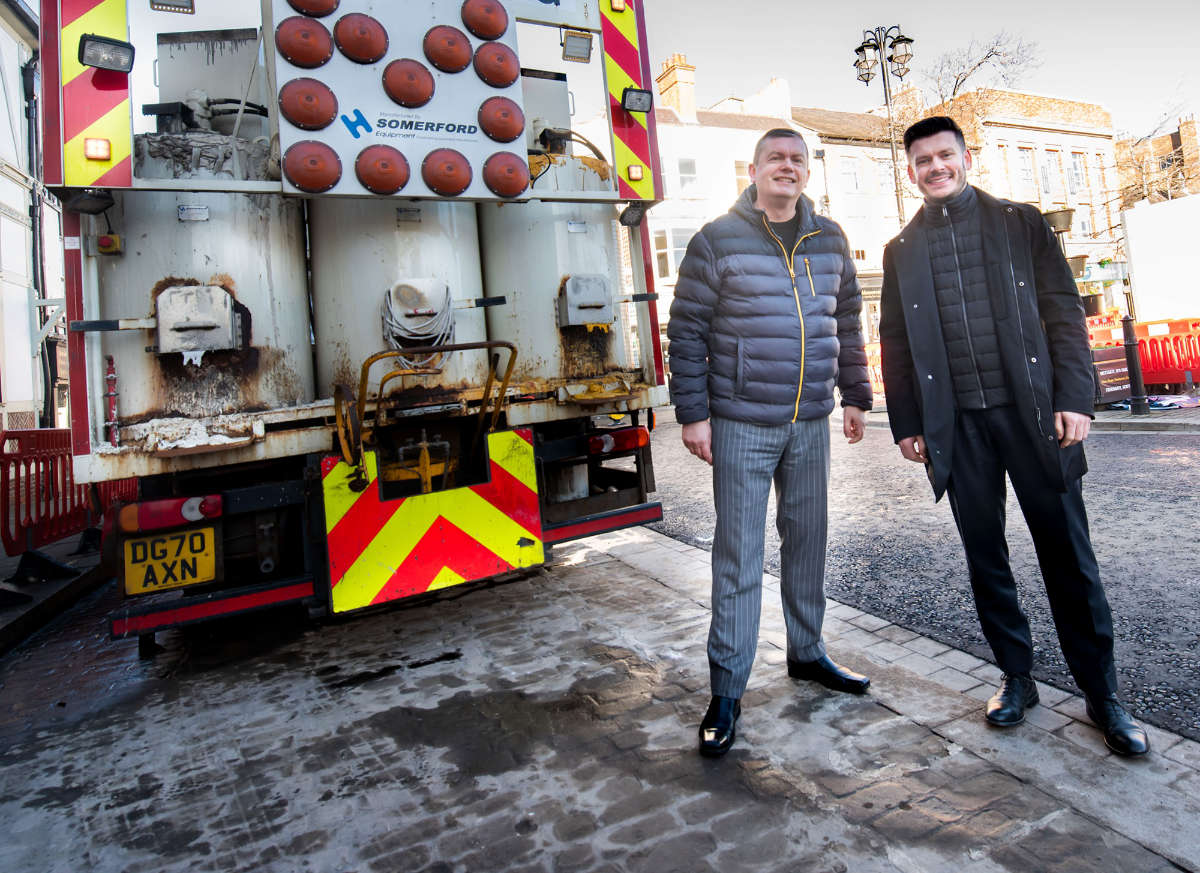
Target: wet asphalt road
[896,554]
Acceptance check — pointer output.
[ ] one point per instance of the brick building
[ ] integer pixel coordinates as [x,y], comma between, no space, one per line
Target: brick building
[1158,168]
[706,155]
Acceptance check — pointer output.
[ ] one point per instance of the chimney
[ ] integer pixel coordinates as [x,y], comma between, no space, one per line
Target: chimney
[677,86]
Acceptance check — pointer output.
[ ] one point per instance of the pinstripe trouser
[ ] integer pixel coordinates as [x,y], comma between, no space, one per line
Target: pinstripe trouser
[746,458]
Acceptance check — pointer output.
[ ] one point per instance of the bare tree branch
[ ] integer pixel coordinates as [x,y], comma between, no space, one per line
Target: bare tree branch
[1005,57]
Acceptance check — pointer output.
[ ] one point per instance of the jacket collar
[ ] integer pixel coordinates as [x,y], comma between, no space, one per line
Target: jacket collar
[745,208]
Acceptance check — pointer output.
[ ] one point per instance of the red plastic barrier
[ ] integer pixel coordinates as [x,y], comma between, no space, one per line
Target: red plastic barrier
[1168,350]
[39,500]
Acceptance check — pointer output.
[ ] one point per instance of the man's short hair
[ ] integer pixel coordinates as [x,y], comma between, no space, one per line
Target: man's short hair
[933,125]
[776,133]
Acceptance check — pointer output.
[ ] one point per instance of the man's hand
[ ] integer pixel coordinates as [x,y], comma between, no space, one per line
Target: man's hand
[697,439]
[1071,427]
[913,449]
[854,421]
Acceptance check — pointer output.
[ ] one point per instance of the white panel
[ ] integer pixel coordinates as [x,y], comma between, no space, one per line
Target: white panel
[575,13]
[1161,241]
[367,116]
[18,354]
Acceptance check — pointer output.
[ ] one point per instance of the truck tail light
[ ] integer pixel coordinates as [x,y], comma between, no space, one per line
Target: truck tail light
[171,512]
[624,439]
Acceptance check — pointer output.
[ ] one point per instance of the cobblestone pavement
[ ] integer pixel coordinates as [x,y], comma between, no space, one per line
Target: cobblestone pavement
[548,724]
[894,553]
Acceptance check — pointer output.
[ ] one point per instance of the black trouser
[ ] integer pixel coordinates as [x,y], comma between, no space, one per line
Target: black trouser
[986,444]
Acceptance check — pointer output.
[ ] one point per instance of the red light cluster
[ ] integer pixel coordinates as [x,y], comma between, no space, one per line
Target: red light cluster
[304,42]
[408,82]
[312,166]
[308,104]
[315,8]
[360,38]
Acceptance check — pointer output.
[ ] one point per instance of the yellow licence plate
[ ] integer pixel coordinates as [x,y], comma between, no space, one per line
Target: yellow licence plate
[170,560]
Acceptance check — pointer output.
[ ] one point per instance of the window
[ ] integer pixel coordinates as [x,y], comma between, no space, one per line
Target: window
[1077,178]
[850,173]
[1026,177]
[687,174]
[669,245]
[1085,227]
[741,172]
[860,254]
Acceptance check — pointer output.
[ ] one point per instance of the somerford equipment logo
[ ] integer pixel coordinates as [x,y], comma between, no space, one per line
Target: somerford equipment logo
[358,125]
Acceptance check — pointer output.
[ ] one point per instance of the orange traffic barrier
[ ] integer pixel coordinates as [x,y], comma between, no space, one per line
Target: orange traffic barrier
[39,500]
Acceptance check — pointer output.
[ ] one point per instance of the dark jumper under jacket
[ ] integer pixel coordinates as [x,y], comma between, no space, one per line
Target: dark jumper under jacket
[1039,325]
[960,280]
[760,333]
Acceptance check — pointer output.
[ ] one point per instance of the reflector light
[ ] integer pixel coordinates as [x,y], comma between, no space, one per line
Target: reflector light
[105,54]
[171,512]
[446,172]
[408,82]
[303,42]
[506,174]
[501,119]
[497,64]
[485,18]
[635,172]
[618,5]
[315,8]
[381,169]
[312,166]
[308,104]
[624,439]
[447,48]
[360,38]
[97,149]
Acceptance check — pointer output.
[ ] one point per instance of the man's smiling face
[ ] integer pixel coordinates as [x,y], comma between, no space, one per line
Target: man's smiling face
[938,165]
[780,171]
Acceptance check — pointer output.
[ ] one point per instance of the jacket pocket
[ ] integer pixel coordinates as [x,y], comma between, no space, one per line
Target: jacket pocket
[739,377]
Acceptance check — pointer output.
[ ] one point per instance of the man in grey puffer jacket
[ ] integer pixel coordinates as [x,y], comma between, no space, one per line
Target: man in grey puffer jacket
[765,321]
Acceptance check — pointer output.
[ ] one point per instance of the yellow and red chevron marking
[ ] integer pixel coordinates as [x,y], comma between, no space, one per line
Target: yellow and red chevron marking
[95,103]
[633,141]
[381,551]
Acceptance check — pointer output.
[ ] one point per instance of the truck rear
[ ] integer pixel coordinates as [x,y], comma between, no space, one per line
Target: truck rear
[358,290]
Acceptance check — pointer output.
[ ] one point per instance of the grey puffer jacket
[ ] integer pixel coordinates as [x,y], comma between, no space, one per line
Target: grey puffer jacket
[759,333]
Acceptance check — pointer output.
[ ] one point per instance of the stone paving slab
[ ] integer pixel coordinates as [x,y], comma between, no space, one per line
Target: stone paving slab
[549,724]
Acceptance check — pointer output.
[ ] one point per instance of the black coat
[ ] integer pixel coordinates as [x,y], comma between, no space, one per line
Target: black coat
[1040,326]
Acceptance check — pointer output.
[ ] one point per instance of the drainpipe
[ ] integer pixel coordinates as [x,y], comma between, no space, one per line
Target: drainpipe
[29,81]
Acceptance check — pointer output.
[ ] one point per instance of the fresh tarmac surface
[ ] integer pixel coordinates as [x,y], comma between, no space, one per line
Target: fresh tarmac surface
[895,554]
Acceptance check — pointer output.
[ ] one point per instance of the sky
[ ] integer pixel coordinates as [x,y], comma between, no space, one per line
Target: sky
[1137,59]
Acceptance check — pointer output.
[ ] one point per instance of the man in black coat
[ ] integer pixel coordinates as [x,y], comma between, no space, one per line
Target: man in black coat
[987,370]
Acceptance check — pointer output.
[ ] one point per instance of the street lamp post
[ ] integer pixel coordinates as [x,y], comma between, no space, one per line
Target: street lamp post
[890,50]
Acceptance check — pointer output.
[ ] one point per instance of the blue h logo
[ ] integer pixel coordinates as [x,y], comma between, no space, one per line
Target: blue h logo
[358,121]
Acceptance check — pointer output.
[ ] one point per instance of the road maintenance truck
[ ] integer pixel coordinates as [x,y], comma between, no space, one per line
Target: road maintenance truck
[351,292]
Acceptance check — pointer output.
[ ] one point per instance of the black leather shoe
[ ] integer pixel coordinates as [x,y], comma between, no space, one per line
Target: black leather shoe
[831,675]
[1007,706]
[719,726]
[1121,733]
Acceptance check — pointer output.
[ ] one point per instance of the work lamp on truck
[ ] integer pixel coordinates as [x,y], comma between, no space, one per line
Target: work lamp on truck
[105,53]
